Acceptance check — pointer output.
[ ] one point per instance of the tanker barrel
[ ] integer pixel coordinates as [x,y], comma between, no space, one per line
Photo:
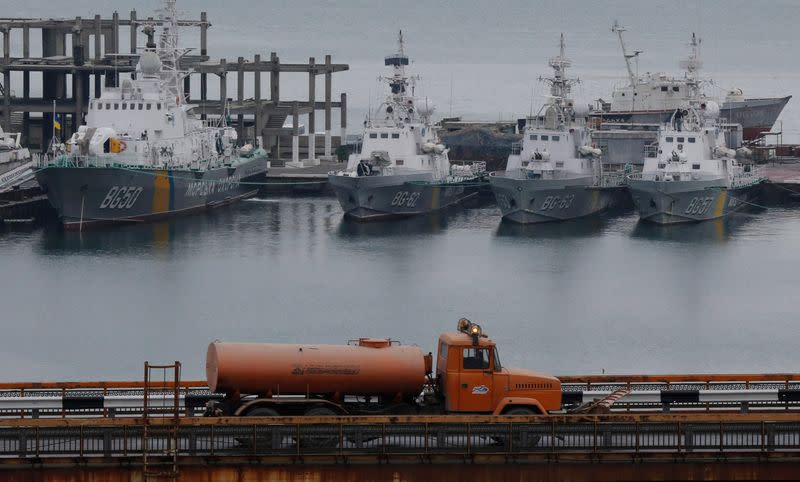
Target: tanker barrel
[370,368]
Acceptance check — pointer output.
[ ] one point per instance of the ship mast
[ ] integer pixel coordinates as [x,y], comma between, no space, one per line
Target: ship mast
[398,61]
[560,85]
[618,29]
[169,53]
[692,66]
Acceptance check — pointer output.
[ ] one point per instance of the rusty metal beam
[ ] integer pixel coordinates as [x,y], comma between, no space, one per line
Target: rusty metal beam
[703,417]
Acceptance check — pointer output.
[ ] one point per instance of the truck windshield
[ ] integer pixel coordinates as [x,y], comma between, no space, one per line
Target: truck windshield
[476,358]
[497,366]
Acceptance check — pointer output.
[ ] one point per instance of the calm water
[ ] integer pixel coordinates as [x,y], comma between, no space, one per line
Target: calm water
[580,297]
[601,293]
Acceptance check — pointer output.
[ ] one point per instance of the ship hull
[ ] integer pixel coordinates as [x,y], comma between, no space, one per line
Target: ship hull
[529,201]
[96,196]
[373,198]
[756,116]
[676,202]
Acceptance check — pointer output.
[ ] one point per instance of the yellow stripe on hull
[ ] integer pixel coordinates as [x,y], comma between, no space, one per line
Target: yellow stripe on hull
[719,209]
[161,192]
[435,198]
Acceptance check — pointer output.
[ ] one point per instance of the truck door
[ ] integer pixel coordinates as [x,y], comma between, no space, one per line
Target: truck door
[476,381]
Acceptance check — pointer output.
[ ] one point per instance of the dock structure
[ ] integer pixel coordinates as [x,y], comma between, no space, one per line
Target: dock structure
[114,431]
[82,55]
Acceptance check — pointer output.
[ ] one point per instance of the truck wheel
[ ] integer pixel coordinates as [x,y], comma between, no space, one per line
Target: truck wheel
[263,440]
[521,439]
[262,412]
[320,437]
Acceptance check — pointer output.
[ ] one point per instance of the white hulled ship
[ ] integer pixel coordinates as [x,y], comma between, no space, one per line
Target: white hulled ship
[556,173]
[402,169]
[652,98]
[692,176]
[144,154]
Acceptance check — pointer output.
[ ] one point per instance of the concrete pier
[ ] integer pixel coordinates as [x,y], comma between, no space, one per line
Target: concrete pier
[97,59]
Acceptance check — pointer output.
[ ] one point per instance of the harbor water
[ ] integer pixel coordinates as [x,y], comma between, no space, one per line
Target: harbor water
[605,293]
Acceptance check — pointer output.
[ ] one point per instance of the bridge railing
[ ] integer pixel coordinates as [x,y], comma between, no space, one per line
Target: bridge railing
[414,436]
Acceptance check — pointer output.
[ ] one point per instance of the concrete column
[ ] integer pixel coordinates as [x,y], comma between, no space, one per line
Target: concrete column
[295,136]
[98,36]
[77,78]
[274,78]
[203,51]
[54,84]
[223,88]
[343,119]
[312,98]
[26,83]
[203,33]
[114,32]
[328,82]
[134,35]
[258,120]
[7,80]
[240,97]
[6,44]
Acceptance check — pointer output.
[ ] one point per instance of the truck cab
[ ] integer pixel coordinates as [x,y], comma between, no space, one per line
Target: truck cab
[471,378]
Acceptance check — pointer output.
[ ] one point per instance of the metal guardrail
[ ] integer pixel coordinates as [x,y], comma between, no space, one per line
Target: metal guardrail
[415,436]
[645,394]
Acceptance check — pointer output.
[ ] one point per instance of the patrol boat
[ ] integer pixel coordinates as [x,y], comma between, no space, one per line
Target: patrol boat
[143,153]
[691,175]
[555,173]
[402,169]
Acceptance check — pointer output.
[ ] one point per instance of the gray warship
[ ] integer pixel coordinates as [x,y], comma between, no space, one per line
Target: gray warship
[143,153]
[555,174]
[691,176]
[402,169]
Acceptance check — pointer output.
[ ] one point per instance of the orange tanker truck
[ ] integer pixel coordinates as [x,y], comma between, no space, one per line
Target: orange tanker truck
[375,377]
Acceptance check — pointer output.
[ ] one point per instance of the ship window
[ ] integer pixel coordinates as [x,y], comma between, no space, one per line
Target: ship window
[116,106]
[99,106]
[544,138]
[681,139]
[623,94]
[124,106]
[669,139]
[664,88]
[696,166]
[158,106]
[384,135]
[141,106]
[560,164]
[476,358]
[662,165]
[149,106]
[556,138]
[399,162]
[373,135]
[395,135]
[676,89]
[691,140]
[534,137]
